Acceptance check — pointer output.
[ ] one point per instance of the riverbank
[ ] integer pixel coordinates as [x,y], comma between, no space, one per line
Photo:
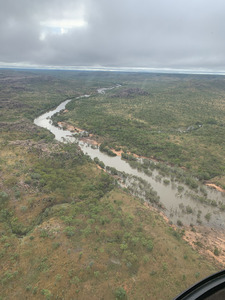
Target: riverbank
[205,240]
[92,141]
[67,230]
[216,187]
[181,205]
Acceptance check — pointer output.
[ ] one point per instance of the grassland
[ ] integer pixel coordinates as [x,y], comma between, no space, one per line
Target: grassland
[67,231]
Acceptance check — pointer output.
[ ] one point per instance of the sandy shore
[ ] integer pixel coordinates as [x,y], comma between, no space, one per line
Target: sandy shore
[215,187]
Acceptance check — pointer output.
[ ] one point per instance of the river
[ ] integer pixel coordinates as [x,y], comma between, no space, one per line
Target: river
[174,203]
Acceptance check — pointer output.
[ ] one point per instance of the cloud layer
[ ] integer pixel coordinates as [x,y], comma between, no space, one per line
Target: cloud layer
[186,34]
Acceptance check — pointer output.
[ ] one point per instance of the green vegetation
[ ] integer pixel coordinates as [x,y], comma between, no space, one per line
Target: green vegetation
[120,293]
[178,119]
[66,229]
[104,148]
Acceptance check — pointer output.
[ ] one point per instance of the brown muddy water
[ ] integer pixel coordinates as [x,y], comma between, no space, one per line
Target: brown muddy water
[178,206]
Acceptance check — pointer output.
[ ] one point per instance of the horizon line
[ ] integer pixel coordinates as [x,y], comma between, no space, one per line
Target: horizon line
[113,69]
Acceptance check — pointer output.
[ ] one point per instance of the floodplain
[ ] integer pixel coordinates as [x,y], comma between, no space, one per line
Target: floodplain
[74,228]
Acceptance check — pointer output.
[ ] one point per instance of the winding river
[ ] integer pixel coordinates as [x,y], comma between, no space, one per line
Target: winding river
[173,202]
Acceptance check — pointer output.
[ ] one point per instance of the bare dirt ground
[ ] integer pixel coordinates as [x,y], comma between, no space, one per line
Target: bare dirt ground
[206,240]
[69,127]
[215,187]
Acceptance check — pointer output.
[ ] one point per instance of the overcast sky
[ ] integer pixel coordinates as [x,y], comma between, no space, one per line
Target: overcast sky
[173,34]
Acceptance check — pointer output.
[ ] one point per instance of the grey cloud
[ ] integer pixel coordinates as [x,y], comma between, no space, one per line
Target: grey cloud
[134,33]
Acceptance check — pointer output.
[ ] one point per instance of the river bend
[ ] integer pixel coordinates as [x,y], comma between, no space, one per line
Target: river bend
[173,202]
